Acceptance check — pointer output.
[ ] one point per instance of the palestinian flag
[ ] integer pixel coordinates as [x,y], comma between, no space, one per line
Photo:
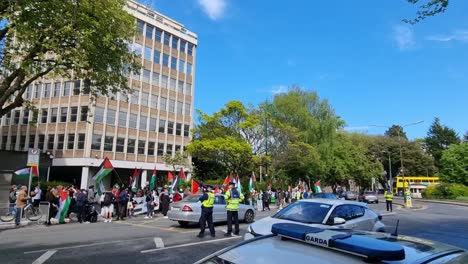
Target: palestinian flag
[195,186]
[105,169]
[251,182]
[23,173]
[216,190]
[226,182]
[239,185]
[170,176]
[136,179]
[152,185]
[317,188]
[64,204]
[174,185]
[182,174]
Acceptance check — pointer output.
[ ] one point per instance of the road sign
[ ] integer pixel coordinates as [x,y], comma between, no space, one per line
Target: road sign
[33,157]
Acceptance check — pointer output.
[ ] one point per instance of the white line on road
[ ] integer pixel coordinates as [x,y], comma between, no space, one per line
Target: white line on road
[190,244]
[44,257]
[392,213]
[159,243]
[87,245]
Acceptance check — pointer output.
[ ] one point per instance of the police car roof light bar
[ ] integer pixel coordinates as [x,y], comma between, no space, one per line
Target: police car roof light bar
[371,249]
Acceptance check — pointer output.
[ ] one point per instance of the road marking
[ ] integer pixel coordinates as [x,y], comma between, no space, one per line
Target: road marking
[44,257]
[391,213]
[159,243]
[189,244]
[87,245]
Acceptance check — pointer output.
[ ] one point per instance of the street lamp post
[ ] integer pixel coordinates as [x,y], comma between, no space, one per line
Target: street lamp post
[389,170]
[401,154]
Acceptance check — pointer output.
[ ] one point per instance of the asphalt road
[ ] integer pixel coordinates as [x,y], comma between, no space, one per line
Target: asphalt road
[160,240]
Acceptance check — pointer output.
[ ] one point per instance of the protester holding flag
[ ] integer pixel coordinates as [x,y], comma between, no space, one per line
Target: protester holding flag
[104,170]
[152,184]
[107,206]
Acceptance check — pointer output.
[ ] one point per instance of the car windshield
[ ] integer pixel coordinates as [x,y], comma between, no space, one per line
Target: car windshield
[304,212]
[191,198]
[325,195]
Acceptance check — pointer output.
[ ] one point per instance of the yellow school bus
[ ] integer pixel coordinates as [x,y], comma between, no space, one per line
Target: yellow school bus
[414,183]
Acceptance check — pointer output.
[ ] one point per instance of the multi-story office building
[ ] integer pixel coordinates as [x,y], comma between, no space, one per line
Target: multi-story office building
[133,131]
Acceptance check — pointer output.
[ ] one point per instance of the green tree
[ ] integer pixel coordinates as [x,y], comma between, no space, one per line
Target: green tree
[396,130]
[176,161]
[465,137]
[439,138]
[72,39]
[427,9]
[454,164]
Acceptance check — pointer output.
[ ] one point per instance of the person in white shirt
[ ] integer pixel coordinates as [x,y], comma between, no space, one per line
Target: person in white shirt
[37,196]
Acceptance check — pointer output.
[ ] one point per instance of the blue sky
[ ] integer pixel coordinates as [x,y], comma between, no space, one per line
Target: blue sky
[373,68]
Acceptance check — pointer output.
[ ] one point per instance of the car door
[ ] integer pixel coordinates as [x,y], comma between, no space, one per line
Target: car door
[219,209]
[357,219]
[344,211]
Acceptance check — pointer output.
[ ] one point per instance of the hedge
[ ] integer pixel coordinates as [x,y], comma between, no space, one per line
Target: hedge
[446,191]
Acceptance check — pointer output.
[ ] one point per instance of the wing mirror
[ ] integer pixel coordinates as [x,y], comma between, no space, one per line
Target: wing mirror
[338,221]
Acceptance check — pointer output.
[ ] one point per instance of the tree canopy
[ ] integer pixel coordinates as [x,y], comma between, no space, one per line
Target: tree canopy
[427,9]
[454,163]
[439,138]
[84,39]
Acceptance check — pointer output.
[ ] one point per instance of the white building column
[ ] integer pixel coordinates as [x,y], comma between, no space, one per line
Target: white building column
[84,178]
[144,175]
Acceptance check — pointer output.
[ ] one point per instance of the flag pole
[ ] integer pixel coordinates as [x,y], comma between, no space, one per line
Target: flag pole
[30,181]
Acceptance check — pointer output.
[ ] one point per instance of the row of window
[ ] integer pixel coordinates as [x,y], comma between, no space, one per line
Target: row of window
[168,39]
[120,144]
[153,78]
[57,89]
[165,60]
[73,141]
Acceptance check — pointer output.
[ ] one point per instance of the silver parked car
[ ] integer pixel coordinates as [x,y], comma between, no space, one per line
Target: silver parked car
[322,213]
[368,197]
[188,210]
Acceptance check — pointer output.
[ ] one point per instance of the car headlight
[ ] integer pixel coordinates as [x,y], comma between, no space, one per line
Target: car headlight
[251,231]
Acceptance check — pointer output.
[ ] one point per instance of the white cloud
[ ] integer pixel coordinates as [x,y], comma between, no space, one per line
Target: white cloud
[458,35]
[279,89]
[404,37]
[213,8]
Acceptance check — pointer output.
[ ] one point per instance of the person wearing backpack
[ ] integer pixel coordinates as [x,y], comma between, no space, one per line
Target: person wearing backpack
[107,205]
[123,200]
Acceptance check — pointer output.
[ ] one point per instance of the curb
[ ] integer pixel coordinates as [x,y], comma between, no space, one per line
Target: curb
[11,225]
[435,201]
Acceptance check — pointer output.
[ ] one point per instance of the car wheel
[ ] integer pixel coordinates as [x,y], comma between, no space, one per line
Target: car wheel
[249,216]
[377,201]
[183,223]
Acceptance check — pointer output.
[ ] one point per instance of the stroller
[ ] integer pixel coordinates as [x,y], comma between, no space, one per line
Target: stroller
[91,213]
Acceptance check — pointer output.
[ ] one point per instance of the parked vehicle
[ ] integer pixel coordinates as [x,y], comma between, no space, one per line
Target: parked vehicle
[188,210]
[325,196]
[368,197]
[349,195]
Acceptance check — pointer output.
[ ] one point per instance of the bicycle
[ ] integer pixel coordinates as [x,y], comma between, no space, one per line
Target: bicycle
[32,213]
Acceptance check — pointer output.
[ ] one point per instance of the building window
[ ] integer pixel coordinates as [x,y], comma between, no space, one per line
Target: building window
[177,148]
[155,80]
[110,118]
[182,66]
[189,68]
[171,105]
[47,90]
[175,42]
[152,124]
[13,143]
[146,76]
[31,141]
[40,142]
[149,31]
[137,48]
[144,99]
[143,122]
[67,88]
[37,94]
[160,149]
[169,149]
[179,107]
[120,145]
[16,117]
[162,126]
[170,128]
[172,84]
[63,114]
[60,141]
[180,86]
[25,117]
[99,115]
[188,88]
[173,63]
[157,57]
[163,103]
[44,115]
[188,107]
[141,146]
[84,113]
[131,146]
[53,115]
[122,119]
[57,87]
[135,76]
[81,141]
[182,45]
[178,130]
[134,97]
[96,143]
[71,141]
[147,54]
[22,142]
[8,116]
[108,143]
[50,142]
[151,147]
[164,81]
[73,113]
[28,92]
[4,142]
[140,26]
[154,101]
[132,121]
[186,130]
[165,61]
[190,49]
[158,35]
[167,39]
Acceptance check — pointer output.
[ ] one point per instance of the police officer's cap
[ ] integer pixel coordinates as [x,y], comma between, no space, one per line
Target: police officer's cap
[209,188]
[231,183]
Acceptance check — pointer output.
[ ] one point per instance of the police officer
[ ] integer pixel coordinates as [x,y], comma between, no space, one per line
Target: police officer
[207,201]
[233,198]
[389,199]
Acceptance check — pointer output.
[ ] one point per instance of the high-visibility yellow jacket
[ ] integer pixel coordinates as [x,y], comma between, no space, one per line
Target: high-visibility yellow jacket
[388,196]
[208,203]
[298,195]
[233,198]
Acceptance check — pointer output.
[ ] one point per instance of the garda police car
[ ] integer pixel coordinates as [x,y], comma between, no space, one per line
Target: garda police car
[297,243]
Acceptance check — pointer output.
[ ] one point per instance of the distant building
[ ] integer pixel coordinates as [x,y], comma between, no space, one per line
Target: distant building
[416,184]
[134,131]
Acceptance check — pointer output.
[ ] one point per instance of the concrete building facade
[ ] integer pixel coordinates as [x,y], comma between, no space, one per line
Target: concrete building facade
[133,131]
